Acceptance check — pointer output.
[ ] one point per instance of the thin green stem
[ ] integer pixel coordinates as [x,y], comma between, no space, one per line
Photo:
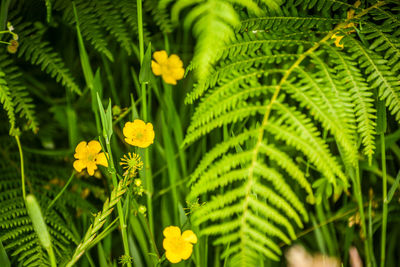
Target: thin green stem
[140,29]
[62,190]
[358,194]
[148,179]
[119,205]
[385,201]
[21,156]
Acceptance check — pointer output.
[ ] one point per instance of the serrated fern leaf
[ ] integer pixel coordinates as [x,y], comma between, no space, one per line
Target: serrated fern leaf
[22,103]
[6,100]
[379,75]
[355,83]
[40,53]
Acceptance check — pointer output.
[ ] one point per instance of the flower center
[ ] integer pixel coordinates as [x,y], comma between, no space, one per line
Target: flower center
[178,244]
[139,135]
[164,68]
[91,157]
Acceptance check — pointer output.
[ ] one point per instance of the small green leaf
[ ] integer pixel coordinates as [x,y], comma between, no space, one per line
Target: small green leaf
[107,128]
[145,70]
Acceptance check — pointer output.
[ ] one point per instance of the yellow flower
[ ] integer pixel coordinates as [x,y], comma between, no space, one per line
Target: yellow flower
[131,163]
[89,156]
[138,133]
[177,246]
[170,68]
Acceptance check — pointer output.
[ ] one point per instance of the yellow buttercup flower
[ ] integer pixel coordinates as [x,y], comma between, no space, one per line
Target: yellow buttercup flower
[138,133]
[89,156]
[170,68]
[178,247]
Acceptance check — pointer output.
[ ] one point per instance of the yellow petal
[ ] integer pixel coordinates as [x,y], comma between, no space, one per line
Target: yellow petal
[156,68]
[128,129]
[189,236]
[172,231]
[172,257]
[168,79]
[174,61]
[80,148]
[94,147]
[177,73]
[101,159]
[161,56]
[79,165]
[129,141]
[186,251]
[91,167]
[139,123]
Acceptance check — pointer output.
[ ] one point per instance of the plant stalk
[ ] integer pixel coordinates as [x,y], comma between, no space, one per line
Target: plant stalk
[119,205]
[148,179]
[385,201]
[21,156]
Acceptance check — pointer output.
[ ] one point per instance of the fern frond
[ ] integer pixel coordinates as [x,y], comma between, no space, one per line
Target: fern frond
[16,230]
[326,107]
[89,23]
[22,103]
[291,23]
[385,40]
[379,75]
[160,14]
[112,20]
[355,83]
[41,53]
[6,100]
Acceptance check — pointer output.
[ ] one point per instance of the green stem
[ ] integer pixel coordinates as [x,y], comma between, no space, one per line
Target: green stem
[21,156]
[148,180]
[52,257]
[358,194]
[385,201]
[119,205]
[62,190]
[140,29]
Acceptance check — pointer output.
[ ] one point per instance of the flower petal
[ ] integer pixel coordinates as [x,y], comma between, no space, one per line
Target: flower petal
[128,129]
[156,68]
[94,147]
[91,167]
[139,123]
[168,78]
[79,165]
[172,231]
[174,61]
[177,73]
[172,257]
[161,56]
[101,159]
[189,236]
[80,148]
[186,251]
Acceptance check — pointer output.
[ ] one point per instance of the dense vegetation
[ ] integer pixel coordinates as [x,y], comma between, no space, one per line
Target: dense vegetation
[281,128]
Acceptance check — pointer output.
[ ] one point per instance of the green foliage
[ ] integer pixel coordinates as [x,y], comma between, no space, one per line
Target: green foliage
[285,129]
[16,230]
[280,80]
